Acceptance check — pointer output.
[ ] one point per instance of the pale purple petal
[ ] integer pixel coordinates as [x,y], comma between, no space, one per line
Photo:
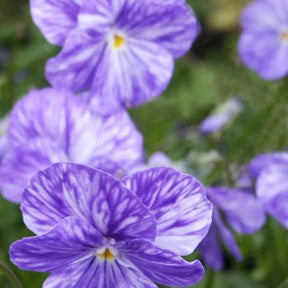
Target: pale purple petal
[263,161]
[272,190]
[21,163]
[3,146]
[70,241]
[69,189]
[162,266]
[264,53]
[211,251]
[242,210]
[55,18]
[179,204]
[131,76]
[110,143]
[159,159]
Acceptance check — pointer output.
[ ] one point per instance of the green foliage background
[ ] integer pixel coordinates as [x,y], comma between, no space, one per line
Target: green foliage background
[208,75]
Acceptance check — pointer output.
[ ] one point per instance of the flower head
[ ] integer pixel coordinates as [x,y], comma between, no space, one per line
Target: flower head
[51,125]
[95,231]
[263,45]
[241,211]
[121,51]
[270,173]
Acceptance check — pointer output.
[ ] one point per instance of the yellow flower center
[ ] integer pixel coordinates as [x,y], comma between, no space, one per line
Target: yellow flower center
[284,36]
[106,255]
[119,41]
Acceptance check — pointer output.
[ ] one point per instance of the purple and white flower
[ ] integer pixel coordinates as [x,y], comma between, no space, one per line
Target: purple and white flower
[96,231]
[263,45]
[270,173]
[122,52]
[224,114]
[50,126]
[242,212]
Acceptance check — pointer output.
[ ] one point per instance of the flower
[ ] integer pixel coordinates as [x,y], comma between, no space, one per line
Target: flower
[224,114]
[122,53]
[263,45]
[50,125]
[95,231]
[270,173]
[242,211]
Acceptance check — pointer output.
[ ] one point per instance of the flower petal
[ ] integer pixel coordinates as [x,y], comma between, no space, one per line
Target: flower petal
[226,236]
[70,189]
[132,76]
[162,266]
[242,210]
[272,190]
[71,241]
[90,274]
[21,163]
[179,204]
[261,162]
[111,143]
[211,251]
[264,53]
[55,18]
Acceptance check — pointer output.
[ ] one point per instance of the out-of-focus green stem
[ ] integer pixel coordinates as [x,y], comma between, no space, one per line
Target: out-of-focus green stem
[211,275]
[10,275]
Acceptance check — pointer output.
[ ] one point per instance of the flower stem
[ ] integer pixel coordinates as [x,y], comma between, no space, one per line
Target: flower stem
[10,275]
[211,275]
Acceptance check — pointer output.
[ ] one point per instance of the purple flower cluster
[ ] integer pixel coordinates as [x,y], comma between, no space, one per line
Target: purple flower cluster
[96,231]
[121,52]
[263,45]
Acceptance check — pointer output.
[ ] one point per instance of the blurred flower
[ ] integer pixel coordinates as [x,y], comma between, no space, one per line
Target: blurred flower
[241,211]
[263,45]
[224,114]
[97,233]
[270,172]
[50,126]
[123,59]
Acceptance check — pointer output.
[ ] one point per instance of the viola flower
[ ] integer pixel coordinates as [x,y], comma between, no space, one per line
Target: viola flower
[263,45]
[50,125]
[242,212]
[96,232]
[224,114]
[121,52]
[270,173]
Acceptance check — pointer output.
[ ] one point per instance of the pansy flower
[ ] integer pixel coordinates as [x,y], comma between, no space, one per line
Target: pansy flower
[233,208]
[270,173]
[263,45]
[122,51]
[95,231]
[51,125]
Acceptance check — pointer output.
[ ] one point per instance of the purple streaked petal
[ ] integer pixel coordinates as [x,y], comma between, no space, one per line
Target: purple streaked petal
[55,18]
[263,161]
[226,236]
[242,210]
[70,241]
[70,189]
[75,66]
[129,77]
[161,266]
[111,143]
[272,190]
[90,274]
[179,204]
[211,251]
[21,163]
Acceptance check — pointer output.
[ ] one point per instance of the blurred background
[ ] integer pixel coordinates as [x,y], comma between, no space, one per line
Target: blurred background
[210,74]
